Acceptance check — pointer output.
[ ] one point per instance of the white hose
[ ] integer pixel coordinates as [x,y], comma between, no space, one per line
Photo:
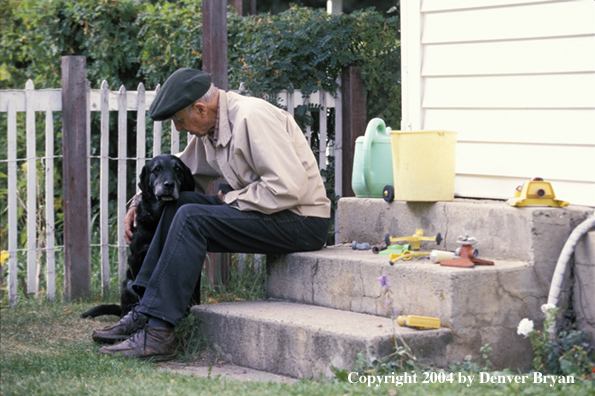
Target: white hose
[564,259]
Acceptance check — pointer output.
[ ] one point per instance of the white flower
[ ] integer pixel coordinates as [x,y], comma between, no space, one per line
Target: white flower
[525,327]
[545,308]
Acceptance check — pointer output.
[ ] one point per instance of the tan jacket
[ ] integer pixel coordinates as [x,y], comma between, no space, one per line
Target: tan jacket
[263,155]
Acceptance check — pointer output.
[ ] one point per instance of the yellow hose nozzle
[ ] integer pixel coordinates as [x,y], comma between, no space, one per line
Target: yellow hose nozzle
[406,255]
[420,322]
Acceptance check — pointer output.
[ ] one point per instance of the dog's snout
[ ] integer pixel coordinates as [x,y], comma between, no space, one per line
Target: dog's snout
[169,185]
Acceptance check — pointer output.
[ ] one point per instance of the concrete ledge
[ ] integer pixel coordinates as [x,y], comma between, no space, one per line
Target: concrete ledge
[303,341]
[532,234]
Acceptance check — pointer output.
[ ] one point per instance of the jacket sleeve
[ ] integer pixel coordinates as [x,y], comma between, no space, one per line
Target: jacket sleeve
[266,144]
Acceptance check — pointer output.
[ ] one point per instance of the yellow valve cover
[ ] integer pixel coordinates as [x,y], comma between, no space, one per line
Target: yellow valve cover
[536,193]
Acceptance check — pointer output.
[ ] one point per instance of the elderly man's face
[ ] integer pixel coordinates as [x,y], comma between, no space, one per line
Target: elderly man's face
[197,120]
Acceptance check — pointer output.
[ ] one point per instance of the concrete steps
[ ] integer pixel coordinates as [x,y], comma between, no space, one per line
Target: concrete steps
[325,307]
[468,301]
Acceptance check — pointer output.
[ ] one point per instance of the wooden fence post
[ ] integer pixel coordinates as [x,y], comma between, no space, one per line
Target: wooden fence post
[77,249]
[354,120]
[214,41]
[244,7]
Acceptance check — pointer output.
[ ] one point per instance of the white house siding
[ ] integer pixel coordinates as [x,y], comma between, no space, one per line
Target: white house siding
[516,80]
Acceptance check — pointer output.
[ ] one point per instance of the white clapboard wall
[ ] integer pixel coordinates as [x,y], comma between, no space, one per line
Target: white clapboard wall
[516,80]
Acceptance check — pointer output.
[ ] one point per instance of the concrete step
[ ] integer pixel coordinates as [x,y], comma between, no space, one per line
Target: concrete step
[304,341]
[533,234]
[341,278]
[481,305]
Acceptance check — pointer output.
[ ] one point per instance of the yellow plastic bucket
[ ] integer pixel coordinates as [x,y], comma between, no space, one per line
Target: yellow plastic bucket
[424,165]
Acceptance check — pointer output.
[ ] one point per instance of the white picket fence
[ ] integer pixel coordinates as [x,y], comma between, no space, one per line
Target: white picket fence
[49,101]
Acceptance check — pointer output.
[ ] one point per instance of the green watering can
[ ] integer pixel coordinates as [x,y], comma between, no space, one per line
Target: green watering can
[372,161]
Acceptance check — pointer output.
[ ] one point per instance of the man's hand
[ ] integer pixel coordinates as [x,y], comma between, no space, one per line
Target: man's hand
[223,188]
[129,222]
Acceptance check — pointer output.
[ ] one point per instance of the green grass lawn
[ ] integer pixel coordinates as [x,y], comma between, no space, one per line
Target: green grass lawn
[46,349]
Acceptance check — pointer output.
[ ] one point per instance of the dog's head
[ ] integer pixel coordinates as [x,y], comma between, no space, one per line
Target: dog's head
[164,176]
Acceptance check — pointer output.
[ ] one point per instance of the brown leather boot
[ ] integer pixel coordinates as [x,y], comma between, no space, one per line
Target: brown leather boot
[127,326]
[151,342]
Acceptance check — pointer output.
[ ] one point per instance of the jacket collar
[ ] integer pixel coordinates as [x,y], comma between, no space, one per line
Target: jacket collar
[224,128]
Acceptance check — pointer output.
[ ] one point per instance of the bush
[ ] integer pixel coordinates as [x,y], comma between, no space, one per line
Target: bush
[37,33]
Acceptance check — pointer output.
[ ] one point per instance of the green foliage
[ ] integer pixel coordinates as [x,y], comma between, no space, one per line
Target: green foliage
[471,366]
[378,50]
[169,36]
[244,282]
[566,352]
[37,33]
[308,49]
[300,48]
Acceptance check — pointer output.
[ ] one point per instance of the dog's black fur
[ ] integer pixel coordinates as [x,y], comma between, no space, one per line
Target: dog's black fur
[161,180]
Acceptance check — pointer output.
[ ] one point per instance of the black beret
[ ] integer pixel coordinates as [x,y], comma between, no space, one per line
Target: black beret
[179,91]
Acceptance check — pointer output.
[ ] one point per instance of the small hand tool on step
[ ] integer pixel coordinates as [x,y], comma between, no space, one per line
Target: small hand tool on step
[420,322]
[406,255]
[360,246]
[467,255]
[378,248]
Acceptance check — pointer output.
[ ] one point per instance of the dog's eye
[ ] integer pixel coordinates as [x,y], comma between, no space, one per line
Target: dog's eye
[178,170]
[157,169]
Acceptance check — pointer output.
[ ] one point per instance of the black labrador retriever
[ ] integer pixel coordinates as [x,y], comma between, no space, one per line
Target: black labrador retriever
[161,180]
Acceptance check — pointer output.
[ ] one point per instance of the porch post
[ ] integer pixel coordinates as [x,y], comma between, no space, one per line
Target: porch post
[354,120]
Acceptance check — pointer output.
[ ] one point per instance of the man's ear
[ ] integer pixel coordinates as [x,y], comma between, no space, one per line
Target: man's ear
[200,109]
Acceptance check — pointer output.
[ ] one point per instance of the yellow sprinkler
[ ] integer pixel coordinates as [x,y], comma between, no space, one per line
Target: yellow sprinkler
[415,240]
[536,193]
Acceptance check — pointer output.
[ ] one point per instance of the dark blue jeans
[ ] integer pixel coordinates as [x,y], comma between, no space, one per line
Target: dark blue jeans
[197,223]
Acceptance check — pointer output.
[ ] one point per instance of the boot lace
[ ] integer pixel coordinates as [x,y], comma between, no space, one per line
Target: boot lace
[139,319]
[140,332]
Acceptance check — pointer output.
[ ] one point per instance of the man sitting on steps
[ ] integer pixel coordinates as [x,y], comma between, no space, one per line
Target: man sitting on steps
[278,204]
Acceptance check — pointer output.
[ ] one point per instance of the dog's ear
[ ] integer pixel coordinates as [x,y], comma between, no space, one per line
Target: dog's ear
[188,183]
[143,182]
